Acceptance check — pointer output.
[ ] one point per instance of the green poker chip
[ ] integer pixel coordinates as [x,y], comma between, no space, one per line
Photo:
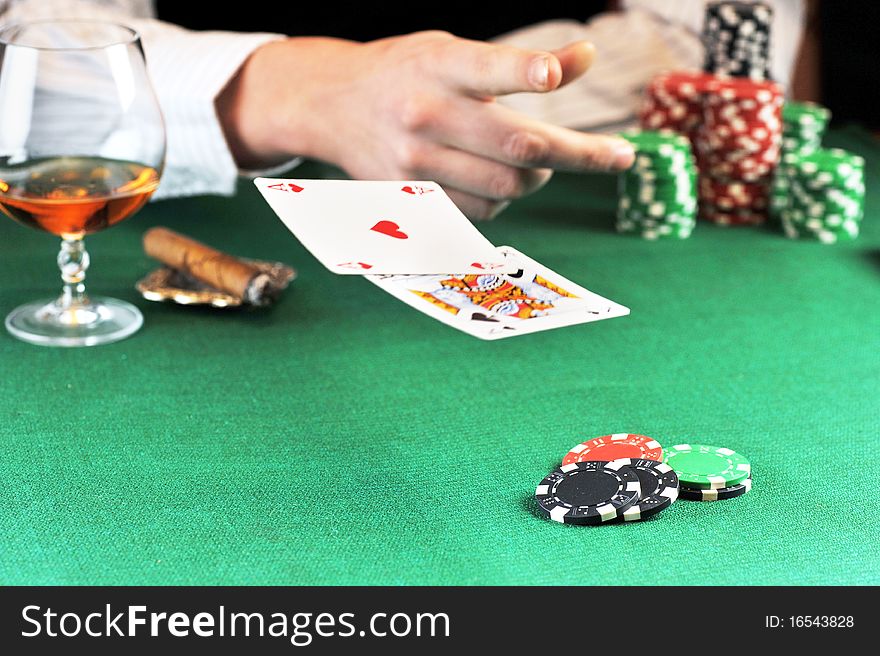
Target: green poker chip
[655,140]
[812,229]
[820,195]
[707,467]
[653,233]
[803,126]
[658,194]
[839,165]
[805,114]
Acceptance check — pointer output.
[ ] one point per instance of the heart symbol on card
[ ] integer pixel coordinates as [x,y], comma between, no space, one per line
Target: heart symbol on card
[355,265]
[286,186]
[416,190]
[389,228]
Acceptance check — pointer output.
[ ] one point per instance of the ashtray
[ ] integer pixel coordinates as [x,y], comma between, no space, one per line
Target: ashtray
[167,284]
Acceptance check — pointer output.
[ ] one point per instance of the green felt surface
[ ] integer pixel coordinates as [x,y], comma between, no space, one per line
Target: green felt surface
[343,438]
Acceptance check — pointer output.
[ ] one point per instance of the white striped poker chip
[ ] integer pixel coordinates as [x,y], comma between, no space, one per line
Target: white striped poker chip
[659,485]
[717,495]
[593,492]
[707,467]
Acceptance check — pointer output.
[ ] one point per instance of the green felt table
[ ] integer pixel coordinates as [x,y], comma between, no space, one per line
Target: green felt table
[343,438]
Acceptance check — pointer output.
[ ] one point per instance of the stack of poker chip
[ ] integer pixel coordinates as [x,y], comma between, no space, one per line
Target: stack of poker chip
[674,101]
[626,477]
[657,195]
[826,194]
[709,473]
[737,147]
[736,37]
[803,126]
[617,477]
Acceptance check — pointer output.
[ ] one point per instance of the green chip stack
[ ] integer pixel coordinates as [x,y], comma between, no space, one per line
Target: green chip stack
[657,195]
[803,125]
[826,194]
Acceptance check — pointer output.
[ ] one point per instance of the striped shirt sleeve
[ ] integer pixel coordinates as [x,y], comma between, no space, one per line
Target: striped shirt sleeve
[188,70]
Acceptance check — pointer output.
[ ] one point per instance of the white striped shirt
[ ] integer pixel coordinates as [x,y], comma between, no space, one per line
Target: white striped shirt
[188,70]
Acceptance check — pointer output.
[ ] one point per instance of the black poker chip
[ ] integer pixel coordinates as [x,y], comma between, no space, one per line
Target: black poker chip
[592,492]
[693,494]
[659,484]
[736,38]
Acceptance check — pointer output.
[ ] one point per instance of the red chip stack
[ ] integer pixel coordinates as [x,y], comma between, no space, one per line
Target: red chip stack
[674,101]
[737,148]
[735,128]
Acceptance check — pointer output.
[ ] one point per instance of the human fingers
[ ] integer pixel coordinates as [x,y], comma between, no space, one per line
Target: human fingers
[470,173]
[499,133]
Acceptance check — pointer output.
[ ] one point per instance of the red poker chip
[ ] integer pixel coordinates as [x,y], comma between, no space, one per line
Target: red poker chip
[724,147]
[674,100]
[741,89]
[731,218]
[765,132]
[718,165]
[762,127]
[741,143]
[732,162]
[747,110]
[684,84]
[750,110]
[666,118]
[731,172]
[614,446]
[735,203]
[733,195]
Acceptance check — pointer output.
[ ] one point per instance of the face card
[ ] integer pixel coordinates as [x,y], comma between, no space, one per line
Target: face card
[498,305]
[377,227]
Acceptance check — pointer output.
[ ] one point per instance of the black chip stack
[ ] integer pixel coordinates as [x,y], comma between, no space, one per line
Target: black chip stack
[736,36]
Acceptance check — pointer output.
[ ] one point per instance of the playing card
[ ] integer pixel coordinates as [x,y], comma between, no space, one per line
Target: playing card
[378,227]
[498,305]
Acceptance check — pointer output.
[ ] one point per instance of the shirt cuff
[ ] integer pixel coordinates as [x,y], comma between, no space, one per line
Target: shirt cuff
[188,70]
[272,171]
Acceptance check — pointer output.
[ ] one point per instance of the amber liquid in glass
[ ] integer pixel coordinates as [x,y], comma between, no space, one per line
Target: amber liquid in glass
[75,196]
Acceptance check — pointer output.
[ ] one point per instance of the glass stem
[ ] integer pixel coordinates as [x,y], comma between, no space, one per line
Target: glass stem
[73,260]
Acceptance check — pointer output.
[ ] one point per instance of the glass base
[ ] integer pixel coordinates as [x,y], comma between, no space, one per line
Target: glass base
[101,321]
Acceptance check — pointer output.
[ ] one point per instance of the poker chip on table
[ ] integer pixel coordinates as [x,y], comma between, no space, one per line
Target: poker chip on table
[696,494]
[657,195]
[803,126]
[588,493]
[745,142]
[737,147]
[820,194]
[659,485]
[735,195]
[736,39]
[674,101]
[614,447]
[703,466]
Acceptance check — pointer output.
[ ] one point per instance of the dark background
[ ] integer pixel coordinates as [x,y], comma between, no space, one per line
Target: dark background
[368,21]
[849,48]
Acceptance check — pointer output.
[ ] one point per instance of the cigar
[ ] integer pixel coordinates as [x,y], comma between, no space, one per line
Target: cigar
[209,266]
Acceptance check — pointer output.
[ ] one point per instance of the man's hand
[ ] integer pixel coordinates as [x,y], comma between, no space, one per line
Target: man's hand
[417,107]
